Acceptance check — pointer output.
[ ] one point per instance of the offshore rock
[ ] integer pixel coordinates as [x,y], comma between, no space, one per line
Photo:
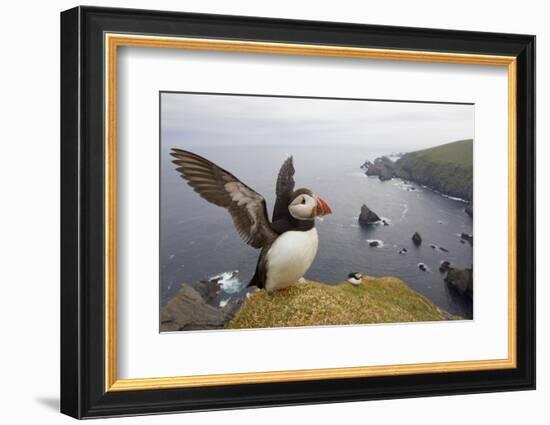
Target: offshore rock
[461,280]
[417,239]
[368,216]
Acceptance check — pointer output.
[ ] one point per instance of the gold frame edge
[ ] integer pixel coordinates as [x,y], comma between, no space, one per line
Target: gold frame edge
[112,41]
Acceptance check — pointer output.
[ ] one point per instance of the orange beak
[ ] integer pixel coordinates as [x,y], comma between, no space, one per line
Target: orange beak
[322,208]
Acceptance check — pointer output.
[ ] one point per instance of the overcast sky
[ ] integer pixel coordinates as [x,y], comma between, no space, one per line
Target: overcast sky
[192,119]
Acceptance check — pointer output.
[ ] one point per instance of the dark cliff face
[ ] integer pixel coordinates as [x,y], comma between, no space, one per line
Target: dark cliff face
[193,309]
[448,178]
[461,280]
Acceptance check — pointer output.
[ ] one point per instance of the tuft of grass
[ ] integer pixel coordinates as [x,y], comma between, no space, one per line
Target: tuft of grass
[375,300]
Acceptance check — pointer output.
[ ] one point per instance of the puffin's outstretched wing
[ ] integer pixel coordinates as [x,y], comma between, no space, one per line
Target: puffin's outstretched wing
[284,189]
[213,183]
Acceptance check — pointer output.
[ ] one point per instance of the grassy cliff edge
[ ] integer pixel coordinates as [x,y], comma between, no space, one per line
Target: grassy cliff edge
[447,168]
[375,300]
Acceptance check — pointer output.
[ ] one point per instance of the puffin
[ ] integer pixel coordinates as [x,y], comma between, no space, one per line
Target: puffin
[355,278]
[288,243]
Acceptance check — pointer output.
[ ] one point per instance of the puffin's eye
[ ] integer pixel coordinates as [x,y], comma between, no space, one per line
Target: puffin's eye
[303,201]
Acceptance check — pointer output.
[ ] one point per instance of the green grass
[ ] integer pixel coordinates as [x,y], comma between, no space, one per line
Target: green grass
[376,300]
[456,153]
[447,168]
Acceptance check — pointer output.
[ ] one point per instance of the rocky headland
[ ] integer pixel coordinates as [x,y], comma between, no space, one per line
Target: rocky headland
[461,280]
[447,169]
[195,309]
[382,167]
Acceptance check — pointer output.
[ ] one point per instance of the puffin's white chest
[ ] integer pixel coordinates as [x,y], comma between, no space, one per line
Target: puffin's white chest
[290,257]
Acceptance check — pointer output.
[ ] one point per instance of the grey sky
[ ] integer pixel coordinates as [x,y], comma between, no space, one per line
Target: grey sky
[191,119]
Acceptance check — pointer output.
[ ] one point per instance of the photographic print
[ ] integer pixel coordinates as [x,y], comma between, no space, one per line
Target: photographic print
[293,211]
[262,179]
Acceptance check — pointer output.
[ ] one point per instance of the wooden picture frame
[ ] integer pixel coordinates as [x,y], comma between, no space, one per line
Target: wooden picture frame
[90,39]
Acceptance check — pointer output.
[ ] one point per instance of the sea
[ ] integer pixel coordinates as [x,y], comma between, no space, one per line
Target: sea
[199,242]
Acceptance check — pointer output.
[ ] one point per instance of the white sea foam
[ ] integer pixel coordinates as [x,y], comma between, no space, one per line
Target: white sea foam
[380,243]
[424,264]
[406,186]
[229,281]
[380,222]
[405,210]
[454,198]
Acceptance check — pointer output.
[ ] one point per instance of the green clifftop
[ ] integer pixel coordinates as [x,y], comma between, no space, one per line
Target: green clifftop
[375,300]
[457,153]
[446,168]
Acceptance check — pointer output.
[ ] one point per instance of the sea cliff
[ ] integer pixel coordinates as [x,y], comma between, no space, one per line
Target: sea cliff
[446,168]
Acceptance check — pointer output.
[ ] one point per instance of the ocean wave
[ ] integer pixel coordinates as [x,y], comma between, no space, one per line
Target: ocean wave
[380,222]
[405,211]
[406,186]
[229,281]
[454,198]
